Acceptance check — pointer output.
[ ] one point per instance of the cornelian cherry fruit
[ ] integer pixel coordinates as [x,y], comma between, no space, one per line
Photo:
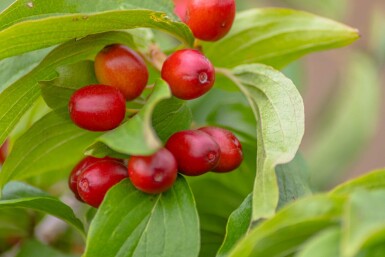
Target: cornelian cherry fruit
[4,151]
[121,67]
[97,107]
[188,73]
[78,169]
[210,20]
[195,152]
[96,179]
[230,147]
[153,174]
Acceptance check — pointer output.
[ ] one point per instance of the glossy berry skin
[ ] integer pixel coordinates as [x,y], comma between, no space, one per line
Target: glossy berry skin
[4,151]
[195,152]
[153,174]
[97,107]
[121,67]
[188,73]
[78,169]
[98,178]
[231,149]
[210,20]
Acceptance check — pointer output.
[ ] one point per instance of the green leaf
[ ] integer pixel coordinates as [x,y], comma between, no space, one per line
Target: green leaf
[370,181]
[20,195]
[52,144]
[136,136]
[278,110]
[293,184]
[325,243]
[276,37]
[15,67]
[132,223]
[289,228]
[348,123]
[28,35]
[364,221]
[170,116]
[293,181]
[225,109]
[23,10]
[21,95]
[237,226]
[36,248]
[217,196]
[57,92]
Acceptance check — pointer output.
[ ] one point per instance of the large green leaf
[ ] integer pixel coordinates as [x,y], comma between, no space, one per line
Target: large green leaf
[217,196]
[170,116]
[18,97]
[293,225]
[364,221]
[325,243]
[15,67]
[293,184]
[276,37]
[371,181]
[237,226]
[278,110]
[136,136]
[30,35]
[52,144]
[293,181]
[348,123]
[22,10]
[20,195]
[132,223]
[36,248]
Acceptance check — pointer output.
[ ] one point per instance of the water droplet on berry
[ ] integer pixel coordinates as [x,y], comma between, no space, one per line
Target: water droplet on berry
[158,177]
[211,156]
[84,186]
[223,24]
[203,77]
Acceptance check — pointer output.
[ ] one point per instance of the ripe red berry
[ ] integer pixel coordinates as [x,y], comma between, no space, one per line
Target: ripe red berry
[78,169]
[210,20]
[153,174]
[121,67]
[231,149]
[98,178]
[97,107]
[4,151]
[195,152]
[188,73]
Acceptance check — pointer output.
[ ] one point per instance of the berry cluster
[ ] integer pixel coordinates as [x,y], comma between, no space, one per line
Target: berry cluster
[189,152]
[123,76]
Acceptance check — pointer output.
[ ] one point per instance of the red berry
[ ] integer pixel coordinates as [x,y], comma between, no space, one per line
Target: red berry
[98,178]
[97,107]
[153,174]
[231,149]
[195,152]
[210,20]
[188,73]
[121,67]
[4,151]
[78,169]
[180,8]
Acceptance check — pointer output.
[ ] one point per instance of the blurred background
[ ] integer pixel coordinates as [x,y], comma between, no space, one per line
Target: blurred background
[343,91]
